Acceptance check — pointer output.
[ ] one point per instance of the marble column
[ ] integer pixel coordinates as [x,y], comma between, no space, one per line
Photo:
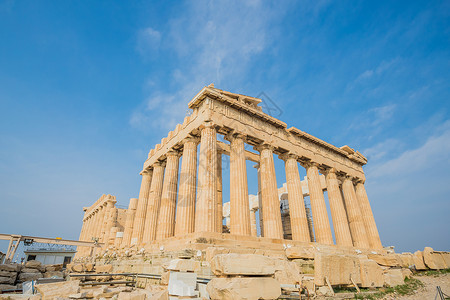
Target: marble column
[154,203]
[185,217]
[219,192]
[166,217]
[297,211]
[369,220]
[83,227]
[261,221]
[355,219]
[97,224]
[128,231]
[322,227]
[253,222]
[206,210]
[141,209]
[338,214]
[269,193]
[239,206]
[104,222]
[112,219]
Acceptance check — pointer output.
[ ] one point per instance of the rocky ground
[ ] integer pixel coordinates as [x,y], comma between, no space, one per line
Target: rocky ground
[428,291]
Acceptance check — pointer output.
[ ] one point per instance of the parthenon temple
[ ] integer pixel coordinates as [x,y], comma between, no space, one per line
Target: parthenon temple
[174,206]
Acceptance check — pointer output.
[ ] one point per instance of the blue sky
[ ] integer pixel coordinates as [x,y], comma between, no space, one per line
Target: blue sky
[88,88]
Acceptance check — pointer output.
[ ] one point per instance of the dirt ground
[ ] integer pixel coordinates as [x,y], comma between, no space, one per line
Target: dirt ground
[428,291]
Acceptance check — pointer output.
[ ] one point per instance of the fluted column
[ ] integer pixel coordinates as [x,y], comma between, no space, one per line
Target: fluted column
[355,219]
[166,218]
[297,211]
[338,214]
[219,192]
[154,203]
[128,231]
[261,221]
[239,206]
[141,209]
[185,217]
[322,227]
[103,223]
[83,227]
[269,193]
[369,220]
[253,222]
[111,212]
[103,216]
[97,223]
[206,210]
[88,229]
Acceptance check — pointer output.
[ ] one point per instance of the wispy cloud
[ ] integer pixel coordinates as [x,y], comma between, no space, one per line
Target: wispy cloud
[217,47]
[148,40]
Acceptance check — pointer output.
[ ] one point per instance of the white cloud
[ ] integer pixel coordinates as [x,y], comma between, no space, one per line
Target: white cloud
[214,42]
[380,69]
[409,193]
[148,40]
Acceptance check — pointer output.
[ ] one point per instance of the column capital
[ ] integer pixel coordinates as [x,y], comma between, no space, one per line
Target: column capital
[309,163]
[159,164]
[359,180]
[235,135]
[146,171]
[264,146]
[173,152]
[192,139]
[207,124]
[288,155]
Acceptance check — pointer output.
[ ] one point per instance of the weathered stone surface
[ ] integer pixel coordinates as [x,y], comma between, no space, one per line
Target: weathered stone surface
[7,287]
[306,265]
[7,280]
[165,278]
[407,260]
[213,251]
[406,273]
[287,272]
[248,288]
[242,264]
[29,276]
[433,260]
[30,270]
[8,274]
[53,274]
[393,277]
[53,267]
[80,295]
[10,267]
[418,261]
[339,268]
[324,291]
[134,295]
[300,252]
[77,268]
[89,267]
[371,273]
[182,283]
[183,265]
[446,257]
[33,264]
[388,260]
[104,269]
[58,289]
[161,295]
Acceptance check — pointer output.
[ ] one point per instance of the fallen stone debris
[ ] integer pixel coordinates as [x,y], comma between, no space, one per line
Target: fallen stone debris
[220,274]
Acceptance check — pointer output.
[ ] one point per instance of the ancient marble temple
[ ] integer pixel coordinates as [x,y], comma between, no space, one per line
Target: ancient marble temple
[178,205]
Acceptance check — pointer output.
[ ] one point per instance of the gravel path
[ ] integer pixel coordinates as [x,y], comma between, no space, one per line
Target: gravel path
[428,291]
